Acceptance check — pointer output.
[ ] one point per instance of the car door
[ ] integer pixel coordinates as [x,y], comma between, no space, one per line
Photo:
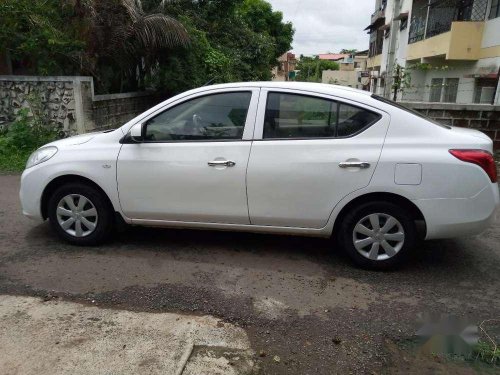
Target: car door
[309,152]
[191,165]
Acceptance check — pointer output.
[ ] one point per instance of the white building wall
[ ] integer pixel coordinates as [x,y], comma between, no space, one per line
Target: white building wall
[466,71]
[491,33]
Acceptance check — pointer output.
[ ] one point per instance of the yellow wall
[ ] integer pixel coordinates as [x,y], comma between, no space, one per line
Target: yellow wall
[465,41]
[462,42]
[435,46]
[489,52]
[374,61]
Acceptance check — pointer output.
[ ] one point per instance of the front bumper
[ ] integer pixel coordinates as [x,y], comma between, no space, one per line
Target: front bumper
[30,194]
[456,217]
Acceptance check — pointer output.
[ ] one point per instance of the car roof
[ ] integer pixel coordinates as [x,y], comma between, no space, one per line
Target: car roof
[294,85]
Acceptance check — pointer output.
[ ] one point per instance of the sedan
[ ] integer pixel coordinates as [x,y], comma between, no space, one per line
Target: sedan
[288,158]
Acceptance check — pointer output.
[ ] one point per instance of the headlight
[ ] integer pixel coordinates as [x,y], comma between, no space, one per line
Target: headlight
[41,155]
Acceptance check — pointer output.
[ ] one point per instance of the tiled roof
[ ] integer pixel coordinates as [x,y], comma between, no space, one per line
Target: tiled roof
[332,56]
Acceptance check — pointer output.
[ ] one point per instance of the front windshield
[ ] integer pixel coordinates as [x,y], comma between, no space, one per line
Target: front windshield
[412,111]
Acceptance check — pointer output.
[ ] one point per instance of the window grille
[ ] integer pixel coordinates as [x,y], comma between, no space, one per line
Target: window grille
[494,9]
[441,14]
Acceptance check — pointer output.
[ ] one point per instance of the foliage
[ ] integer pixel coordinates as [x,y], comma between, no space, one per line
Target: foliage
[487,352]
[402,76]
[238,40]
[27,133]
[35,35]
[311,69]
[424,67]
[133,44]
[349,51]
[123,40]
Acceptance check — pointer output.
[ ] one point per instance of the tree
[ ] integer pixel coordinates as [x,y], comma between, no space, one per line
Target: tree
[123,40]
[34,36]
[311,69]
[349,51]
[133,44]
[232,40]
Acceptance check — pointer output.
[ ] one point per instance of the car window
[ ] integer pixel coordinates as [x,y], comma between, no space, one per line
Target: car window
[302,116]
[299,116]
[352,120]
[212,117]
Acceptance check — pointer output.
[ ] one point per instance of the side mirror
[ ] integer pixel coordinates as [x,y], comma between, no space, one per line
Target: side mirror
[136,133]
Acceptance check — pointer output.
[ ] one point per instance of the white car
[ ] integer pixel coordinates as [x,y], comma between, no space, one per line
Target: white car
[289,158]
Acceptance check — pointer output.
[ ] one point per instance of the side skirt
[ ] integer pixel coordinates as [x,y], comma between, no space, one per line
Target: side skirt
[323,232]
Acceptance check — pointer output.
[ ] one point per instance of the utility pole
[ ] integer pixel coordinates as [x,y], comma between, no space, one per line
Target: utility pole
[391,53]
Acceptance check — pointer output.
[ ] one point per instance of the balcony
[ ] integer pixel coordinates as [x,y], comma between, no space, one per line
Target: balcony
[462,42]
[437,18]
[380,12]
[378,16]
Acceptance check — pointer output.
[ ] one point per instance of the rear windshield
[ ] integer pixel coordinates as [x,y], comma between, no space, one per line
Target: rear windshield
[412,111]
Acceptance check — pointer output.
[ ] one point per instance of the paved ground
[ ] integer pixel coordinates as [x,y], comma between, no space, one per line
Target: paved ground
[59,337]
[305,309]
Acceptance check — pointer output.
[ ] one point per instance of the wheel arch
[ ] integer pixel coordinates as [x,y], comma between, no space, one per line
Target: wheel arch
[383,197]
[65,179]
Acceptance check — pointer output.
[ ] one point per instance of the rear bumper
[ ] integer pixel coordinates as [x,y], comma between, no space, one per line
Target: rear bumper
[456,217]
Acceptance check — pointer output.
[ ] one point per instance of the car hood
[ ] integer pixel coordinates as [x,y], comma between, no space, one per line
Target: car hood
[75,140]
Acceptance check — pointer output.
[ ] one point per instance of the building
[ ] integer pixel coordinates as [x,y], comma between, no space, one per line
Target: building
[349,73]
[285,71]
[435,50]
[332,56]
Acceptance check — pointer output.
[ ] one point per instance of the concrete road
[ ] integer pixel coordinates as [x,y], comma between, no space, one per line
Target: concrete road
[50,336]
[303,306]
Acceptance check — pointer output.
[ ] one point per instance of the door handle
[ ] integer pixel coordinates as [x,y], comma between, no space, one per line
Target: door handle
[221,163]
[354,164]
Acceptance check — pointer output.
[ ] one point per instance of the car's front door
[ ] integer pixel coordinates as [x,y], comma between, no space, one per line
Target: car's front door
[312,152]
[191,165]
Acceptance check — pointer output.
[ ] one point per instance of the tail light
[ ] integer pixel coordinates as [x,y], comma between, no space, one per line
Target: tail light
[479,157]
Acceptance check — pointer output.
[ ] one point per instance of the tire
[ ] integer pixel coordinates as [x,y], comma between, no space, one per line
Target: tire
[366,245]
[93,229]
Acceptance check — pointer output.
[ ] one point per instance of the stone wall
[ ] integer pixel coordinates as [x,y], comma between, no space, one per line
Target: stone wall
[69,103]
[485,118]
[112,111]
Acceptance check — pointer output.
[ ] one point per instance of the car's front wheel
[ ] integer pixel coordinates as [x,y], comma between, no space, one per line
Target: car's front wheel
[80,214]
[378,235]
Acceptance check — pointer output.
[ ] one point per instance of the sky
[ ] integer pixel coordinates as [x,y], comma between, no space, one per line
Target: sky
[327,25]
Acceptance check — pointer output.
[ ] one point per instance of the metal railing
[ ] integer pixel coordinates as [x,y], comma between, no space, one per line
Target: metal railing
[431,18]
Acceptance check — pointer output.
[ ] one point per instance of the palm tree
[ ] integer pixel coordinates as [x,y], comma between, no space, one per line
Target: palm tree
[123,41]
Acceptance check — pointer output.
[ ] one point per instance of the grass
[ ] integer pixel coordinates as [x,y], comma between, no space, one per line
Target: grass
[487,352]
[488,349]
[13,161]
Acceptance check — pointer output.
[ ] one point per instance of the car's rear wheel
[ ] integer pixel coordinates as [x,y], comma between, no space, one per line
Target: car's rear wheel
[80,214]
[378,235]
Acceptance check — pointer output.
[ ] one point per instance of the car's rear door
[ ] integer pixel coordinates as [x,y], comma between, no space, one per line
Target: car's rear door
[192,164]
[309,151]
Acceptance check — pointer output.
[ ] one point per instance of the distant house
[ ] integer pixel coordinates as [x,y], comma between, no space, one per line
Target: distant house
[332,56]
[350,71]
[285,71]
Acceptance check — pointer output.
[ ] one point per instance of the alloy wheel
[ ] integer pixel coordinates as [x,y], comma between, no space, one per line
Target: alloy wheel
[378,236]
[77,215]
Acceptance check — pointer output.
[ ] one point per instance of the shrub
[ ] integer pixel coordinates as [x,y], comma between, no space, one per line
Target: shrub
[27,133]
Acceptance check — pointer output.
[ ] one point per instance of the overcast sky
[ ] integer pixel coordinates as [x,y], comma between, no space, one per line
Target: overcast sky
[327,25]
